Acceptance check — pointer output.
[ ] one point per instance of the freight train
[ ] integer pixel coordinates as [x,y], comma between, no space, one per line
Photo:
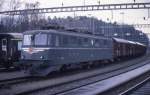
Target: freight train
[10,49]
[44,51]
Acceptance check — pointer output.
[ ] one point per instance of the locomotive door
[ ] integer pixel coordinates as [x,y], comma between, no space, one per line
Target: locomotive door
[4,47]
[15,49]
[18,51]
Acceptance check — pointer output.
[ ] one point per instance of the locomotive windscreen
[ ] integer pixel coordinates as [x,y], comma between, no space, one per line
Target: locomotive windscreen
[36,39]
[27,40]
[40,39]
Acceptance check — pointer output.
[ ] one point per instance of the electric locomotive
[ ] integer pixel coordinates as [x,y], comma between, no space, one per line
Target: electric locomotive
[48,50]
[44,51]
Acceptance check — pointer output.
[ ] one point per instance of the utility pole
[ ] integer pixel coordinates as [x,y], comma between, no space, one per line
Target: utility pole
[98,2]
[90,22]
[93,26]
[122,13]
[148,13]
[83,2]
[62,4]
[112,15]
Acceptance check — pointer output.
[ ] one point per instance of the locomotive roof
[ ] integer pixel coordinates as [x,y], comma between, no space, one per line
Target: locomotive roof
[14,35]
[63,32]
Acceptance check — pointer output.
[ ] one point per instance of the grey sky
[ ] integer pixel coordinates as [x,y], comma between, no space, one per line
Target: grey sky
[128,16]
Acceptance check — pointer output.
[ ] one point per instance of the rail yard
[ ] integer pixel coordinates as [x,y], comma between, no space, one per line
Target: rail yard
[71,49]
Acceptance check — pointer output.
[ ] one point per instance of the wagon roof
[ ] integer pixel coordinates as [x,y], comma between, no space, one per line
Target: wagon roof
[123,41]
[140,44]
[14,35]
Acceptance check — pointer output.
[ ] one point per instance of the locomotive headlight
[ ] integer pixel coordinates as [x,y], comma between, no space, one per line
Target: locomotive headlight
[42,57]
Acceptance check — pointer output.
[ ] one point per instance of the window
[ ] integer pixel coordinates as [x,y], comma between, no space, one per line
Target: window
[4,44]
[19,45]
[80,41]
[57,41]
[4,41]
[50,42]
[40,39]
[97,43]
[37,39]
[65,40]
[27,40]
[105,42]
[73,41]
[86,42]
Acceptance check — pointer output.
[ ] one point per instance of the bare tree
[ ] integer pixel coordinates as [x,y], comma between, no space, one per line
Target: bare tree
[32,19]
[13,5]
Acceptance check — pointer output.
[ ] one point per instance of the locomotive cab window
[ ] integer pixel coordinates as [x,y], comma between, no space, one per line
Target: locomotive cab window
[36,39]
[40,39]
[27,40]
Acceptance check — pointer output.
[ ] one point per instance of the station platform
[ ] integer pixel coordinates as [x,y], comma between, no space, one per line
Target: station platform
[107,84]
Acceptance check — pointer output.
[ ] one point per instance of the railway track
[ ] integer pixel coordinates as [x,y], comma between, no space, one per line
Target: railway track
[58,85]
[8,82]
[7,76]
[11,69]
[35,86]
[142,88]
[81,83]
[114,85]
